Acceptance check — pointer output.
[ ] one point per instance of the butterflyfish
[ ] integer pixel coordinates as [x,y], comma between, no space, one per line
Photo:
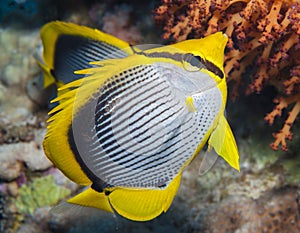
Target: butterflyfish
[129,120]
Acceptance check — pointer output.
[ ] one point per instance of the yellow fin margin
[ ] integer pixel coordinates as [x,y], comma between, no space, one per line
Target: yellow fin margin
[143,205]
[133,204]
[222,140]
[50,33]
[56,144]
[57,148]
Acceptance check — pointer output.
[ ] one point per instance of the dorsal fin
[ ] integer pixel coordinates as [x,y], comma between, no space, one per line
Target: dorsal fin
[69,47]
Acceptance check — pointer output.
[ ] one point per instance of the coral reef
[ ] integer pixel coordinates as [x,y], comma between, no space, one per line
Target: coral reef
[253,186]
[117,20]
[41,192]
[130,21]
[275,211]
[263,43]
[3,216]
[12,158]
[265,200]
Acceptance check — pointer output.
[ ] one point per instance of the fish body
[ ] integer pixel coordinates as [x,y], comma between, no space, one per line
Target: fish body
[128,122]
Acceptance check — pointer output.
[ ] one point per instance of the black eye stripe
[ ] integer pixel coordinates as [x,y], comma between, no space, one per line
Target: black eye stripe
[201,63]
[198,61]
[198,58]
[213,68]
[193,60]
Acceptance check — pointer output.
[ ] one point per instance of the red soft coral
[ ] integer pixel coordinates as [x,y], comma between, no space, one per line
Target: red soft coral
[263,35]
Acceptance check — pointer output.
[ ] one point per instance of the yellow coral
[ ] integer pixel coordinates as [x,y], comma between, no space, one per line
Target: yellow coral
[263,35]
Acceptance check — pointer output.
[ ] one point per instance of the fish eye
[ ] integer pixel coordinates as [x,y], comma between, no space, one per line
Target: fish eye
[191,63]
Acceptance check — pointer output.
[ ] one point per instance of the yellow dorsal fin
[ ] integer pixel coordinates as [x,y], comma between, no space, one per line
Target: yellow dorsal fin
[56,144]
[143,205]
[57,147]
[222,140]
[55,53]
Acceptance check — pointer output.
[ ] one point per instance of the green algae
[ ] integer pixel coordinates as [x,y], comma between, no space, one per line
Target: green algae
[41,192]
[291,167]
[257,153]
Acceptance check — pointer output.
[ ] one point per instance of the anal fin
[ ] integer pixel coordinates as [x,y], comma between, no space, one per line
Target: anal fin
[141,204]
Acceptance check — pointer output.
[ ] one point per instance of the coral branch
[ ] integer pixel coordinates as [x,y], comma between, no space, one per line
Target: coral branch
[285,133]
[263,43]
[270,22]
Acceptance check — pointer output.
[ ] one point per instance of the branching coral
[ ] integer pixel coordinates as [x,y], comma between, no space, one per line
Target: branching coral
[263,43]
